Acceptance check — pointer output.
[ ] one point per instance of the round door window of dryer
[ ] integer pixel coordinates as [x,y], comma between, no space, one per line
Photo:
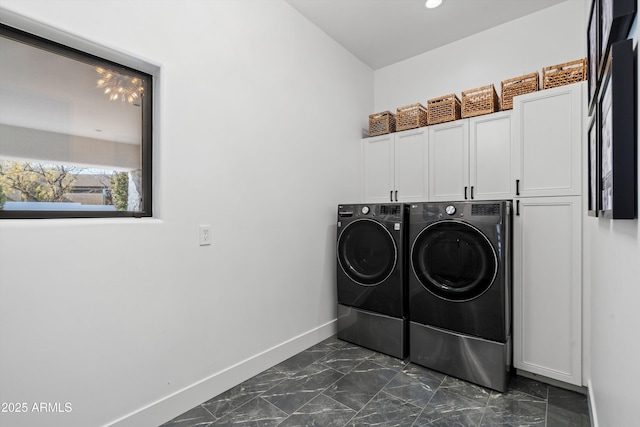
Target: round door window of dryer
[367,252]
[454,260]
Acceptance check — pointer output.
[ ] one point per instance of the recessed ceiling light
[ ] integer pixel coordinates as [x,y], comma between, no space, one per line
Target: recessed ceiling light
[430,4]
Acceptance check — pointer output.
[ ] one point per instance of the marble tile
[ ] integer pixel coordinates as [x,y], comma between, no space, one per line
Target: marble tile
[335,342]
[388,361]
[411,389]
[425,375]
[255,413]
[195,417]
[244,392]
[528,386]
[466,389]
[447,408]
[385,410]
[338,384]
[453,418]
[292,393]
[346,358]
[567,408]
[321,411]
[569,400]
[514,408]
[446,400]
[558,417]
[305,358]
[357,387]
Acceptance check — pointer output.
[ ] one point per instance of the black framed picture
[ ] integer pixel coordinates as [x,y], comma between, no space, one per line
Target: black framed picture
[617,142]
[616,17]
[606,147]
[605,12]
[593,165]
[593,52]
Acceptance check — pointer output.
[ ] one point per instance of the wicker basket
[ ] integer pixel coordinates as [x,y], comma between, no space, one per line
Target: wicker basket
[411,116]
[381,123]
[518,86]
[564,74]
[478,101]
[443,109]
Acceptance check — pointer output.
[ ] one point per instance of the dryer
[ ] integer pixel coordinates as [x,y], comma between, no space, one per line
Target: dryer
[460,289]
[371,276]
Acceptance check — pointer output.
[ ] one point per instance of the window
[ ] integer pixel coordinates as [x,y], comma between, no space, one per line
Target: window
[75,132]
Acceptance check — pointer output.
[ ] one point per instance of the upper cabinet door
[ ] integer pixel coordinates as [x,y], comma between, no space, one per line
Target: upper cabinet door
[377,169]
[490,170]
[547,141]
[449,161]
[411,165]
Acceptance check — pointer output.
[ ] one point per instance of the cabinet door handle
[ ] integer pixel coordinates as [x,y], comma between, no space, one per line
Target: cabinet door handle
[465,193]
[517,187]
[472,192]
[391,196]
[517,207]
[396,195]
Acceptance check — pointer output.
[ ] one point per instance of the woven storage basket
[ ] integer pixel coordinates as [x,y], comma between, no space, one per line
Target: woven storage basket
[478,101]
[381,123]
[564,74]
[411,116]
[518,86]
[443,109]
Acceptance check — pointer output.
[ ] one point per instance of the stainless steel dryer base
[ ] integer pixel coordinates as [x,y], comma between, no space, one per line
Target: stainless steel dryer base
[482,362]
[376,331]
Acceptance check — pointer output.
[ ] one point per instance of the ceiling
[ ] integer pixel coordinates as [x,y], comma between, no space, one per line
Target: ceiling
[383,32]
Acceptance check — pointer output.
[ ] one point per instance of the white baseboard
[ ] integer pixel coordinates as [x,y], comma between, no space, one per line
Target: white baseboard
[181,401]
[592,405]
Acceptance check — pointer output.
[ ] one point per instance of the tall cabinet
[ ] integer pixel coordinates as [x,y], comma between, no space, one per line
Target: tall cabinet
[547,233]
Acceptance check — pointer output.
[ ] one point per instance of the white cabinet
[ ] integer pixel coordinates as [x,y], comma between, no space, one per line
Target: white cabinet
[449,161]
[490,153]
[547,278]
[547,136]
[471,159]
[548,287]
[394,167]
[377,168]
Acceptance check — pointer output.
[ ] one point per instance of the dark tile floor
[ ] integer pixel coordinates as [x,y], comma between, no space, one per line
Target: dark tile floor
[335,383]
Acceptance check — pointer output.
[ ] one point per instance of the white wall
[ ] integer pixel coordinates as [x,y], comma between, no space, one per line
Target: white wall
[614,251]
[551,36]
[260,116]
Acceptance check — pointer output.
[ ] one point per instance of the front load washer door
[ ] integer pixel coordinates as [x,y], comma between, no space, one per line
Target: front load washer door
[367,252]
[454,260]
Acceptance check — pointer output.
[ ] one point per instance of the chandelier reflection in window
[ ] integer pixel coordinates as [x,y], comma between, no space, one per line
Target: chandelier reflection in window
[119,86]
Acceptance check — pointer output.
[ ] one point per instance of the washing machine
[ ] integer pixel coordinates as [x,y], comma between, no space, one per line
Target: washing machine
[460,289]
[371,277]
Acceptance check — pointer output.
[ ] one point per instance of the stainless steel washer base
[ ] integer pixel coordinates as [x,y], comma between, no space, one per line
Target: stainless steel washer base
[483,362]
[378,332]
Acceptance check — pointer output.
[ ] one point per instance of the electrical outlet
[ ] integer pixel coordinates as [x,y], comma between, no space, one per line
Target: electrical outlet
[205,235]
